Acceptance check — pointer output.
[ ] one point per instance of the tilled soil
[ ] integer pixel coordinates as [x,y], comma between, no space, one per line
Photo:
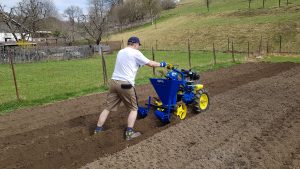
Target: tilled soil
[253,122]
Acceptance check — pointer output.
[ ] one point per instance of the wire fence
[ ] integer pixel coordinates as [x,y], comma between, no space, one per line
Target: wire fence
[42,82]
[27,54]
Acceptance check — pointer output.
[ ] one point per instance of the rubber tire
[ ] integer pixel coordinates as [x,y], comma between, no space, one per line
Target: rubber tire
[196,106]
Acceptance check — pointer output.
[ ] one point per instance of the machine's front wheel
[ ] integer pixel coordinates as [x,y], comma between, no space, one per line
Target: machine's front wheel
[181,110]
[201,102]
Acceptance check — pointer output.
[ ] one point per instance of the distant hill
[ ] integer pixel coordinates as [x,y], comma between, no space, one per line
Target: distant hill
[226,19]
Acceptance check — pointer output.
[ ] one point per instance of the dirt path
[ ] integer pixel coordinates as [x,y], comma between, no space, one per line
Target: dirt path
[59,135]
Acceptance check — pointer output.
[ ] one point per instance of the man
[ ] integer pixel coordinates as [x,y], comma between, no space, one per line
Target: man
[121,87]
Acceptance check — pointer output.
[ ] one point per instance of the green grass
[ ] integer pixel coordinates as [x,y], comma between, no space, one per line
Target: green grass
[276,59]
[226,18]
[47,82]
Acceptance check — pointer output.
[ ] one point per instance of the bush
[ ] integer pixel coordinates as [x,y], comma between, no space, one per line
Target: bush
[168,4]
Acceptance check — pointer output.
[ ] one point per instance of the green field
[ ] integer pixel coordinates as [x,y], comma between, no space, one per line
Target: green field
[51,81]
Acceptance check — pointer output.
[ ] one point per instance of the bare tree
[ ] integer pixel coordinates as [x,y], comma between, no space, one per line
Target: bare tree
[168,4]
[153,8]
[120,15]
[26,17]
[73,14]
[95,23]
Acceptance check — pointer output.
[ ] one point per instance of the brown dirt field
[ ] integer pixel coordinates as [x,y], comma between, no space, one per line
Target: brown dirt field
[254,122]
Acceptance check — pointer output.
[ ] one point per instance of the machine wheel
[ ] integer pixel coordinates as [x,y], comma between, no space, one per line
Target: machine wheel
[201,102]
[181,110]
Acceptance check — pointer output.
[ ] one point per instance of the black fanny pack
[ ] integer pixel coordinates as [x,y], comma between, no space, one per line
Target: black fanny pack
[126,86]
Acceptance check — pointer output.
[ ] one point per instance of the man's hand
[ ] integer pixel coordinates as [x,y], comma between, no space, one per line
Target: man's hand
[163,64]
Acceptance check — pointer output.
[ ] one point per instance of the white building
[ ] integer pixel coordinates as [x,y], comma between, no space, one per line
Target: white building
[8,37]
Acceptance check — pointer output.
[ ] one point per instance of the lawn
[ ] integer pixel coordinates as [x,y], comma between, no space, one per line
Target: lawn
[51,81]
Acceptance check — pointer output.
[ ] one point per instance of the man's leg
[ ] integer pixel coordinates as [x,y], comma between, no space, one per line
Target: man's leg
[112,103]
[102,117]
[130,133]
[131,119]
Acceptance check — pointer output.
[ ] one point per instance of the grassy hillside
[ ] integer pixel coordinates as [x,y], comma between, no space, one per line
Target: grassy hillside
[226,18]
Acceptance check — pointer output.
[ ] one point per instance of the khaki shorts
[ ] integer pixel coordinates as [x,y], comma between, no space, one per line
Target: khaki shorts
[116,94]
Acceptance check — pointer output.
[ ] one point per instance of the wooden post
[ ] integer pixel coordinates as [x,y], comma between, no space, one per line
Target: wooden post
[214,51]
[104,70]
[280,43]
[156,44]
[14,73]
[249,6]
[189,51]
[153,58]
[207,5]
[260,45]
[233,60]
[228,45]
[267,46]
[248,49]
[122,45]
[279,3]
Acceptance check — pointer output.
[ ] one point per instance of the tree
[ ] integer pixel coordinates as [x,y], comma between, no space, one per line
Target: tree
[73,14]
[27,16]
[95,23]
[153,8]
[168,4]
[120,15]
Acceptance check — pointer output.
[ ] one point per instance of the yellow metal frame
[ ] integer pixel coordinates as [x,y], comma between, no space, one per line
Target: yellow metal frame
[198,87]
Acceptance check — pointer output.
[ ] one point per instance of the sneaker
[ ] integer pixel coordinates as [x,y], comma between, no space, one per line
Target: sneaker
[98,130]
[131,134]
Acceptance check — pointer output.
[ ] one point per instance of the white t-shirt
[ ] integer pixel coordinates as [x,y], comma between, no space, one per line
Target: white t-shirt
[128,62]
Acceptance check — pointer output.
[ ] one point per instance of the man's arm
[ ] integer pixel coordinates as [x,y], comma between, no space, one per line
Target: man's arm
[156,64]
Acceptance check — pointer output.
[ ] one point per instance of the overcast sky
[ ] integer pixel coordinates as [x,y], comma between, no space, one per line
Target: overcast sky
[61,5]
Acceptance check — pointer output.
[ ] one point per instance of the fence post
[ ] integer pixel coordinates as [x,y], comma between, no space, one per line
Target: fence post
[280,43]
[248,49]
[14,74]
[207,5]
[214,51]
[267,46]
[104,70]
[156,44]
[153,58]
[233,60]
[122,45]
[249,6]
[279,3]
[260,45]
[189,49]
[228,45]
